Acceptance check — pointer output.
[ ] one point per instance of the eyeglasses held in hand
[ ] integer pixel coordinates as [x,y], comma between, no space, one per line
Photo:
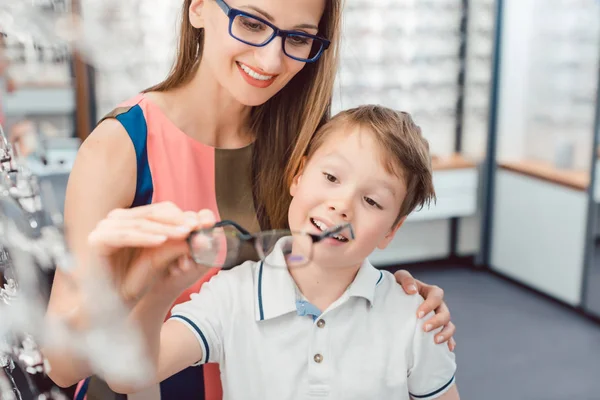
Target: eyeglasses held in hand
[257,32]
[220,246]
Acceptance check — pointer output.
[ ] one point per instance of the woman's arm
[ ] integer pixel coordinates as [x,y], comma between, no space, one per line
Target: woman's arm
[171,346]
[103,178]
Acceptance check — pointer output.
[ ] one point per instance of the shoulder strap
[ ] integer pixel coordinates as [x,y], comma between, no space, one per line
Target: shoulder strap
[133,120]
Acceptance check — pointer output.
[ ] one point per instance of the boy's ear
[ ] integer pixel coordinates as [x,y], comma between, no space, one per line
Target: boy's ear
[296,179]
[388,238]
[196,15]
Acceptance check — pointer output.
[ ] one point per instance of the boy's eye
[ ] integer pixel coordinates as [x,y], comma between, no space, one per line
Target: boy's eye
[372,203]
[330,177]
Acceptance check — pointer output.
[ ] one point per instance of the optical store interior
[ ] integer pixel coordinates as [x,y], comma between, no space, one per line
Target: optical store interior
[506,93]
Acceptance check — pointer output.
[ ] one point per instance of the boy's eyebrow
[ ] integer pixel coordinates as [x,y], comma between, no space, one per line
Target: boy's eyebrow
[270,18]
[387,186]
[384,184]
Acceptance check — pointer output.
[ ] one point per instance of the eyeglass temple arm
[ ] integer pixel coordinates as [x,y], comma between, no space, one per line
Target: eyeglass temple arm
[227,222]
[226,9]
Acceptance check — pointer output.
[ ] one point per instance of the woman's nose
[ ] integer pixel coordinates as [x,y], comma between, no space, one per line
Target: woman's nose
[270,57]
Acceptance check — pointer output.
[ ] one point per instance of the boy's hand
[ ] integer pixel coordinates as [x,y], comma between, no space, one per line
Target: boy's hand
[434,301]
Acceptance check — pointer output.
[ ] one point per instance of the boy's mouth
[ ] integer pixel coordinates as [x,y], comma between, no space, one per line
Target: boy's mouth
[321,226]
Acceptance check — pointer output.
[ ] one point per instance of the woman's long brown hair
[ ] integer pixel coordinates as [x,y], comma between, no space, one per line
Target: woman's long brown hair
[284,124]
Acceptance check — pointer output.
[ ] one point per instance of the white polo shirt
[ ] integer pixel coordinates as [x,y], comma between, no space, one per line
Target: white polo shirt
[367,345]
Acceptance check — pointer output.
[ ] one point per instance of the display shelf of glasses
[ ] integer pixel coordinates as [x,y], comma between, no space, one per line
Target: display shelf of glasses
[405,55]
[548,82]
[126,67]
[478,77]
[41,75]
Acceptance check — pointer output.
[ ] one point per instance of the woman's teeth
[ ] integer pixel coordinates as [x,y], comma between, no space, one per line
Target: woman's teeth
[255,74]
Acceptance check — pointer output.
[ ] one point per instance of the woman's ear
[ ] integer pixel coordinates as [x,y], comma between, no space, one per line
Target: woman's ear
[196,13]
[296,181]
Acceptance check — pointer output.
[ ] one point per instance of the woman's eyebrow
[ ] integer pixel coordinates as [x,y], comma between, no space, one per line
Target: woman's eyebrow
[260,11]
[270,18]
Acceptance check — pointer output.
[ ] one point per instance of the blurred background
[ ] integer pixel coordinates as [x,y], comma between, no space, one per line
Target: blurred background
[505,91]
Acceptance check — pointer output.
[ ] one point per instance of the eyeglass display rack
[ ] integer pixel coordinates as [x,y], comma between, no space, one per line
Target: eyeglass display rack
[537,208]
[411,55]
[42,78]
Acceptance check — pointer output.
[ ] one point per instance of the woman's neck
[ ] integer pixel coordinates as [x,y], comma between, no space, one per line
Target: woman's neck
[323,286]
[207,112]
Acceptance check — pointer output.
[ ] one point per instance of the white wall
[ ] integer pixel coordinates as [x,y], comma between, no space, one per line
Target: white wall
[538,235]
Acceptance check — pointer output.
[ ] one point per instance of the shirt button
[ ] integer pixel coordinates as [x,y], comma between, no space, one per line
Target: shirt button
[318,358]
[321,323]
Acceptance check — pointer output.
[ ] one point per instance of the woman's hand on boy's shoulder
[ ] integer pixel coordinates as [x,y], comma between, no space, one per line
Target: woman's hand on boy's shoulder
[434,301]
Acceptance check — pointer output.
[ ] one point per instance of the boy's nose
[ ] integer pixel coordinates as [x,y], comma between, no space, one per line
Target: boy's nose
[341,208]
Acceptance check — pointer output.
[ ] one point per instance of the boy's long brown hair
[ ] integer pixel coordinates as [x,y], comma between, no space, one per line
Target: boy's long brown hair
[284,124]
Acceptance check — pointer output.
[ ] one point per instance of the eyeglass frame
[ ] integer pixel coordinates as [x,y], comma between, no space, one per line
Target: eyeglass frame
[245,236]
[231,13]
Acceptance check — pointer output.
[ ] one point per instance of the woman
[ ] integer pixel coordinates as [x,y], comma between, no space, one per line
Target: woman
[225,132]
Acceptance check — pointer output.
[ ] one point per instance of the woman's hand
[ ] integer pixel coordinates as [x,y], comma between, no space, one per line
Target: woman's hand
[147,245]
[434,301]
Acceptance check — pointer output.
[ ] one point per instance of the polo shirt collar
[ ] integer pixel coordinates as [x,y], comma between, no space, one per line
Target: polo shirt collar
[275,289]
[365,283]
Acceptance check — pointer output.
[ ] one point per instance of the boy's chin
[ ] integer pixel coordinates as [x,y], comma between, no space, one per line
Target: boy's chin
[334,262]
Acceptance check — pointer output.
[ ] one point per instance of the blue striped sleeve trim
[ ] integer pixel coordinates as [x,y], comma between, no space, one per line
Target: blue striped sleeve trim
[193,325]
[434,393]
[260,303]
[380,278]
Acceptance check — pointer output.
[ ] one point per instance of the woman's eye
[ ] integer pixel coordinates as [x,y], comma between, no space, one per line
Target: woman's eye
[251,24]
[330,177]
[372,202]
[299,40]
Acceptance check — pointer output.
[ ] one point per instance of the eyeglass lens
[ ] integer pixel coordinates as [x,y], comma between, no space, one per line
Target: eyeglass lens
[222,247]
[253,31]
[217,247]
[295,248]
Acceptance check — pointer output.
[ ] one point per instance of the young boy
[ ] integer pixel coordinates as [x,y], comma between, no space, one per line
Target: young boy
[337,327]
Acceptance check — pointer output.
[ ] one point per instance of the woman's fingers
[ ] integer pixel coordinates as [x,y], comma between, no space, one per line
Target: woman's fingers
[452,344]
[105,242]
[446,335]
[165,213]
[162,208]
[146,226]
[153,265]
[406,280]
[439,319]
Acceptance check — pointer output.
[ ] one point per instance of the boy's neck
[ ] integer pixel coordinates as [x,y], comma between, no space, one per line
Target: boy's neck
[323,286]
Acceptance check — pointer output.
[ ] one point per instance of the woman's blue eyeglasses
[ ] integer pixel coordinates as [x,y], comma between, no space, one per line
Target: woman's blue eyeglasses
[257,32]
